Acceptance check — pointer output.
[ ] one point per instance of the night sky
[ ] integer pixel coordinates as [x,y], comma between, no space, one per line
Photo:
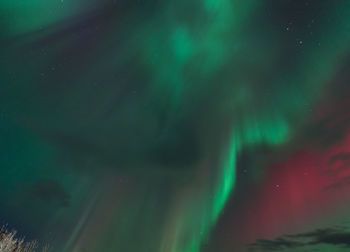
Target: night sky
[176,126]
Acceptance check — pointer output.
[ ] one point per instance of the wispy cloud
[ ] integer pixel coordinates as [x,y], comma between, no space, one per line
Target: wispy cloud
[337,237]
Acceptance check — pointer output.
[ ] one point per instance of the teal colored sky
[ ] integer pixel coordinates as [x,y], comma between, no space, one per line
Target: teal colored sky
[175,126]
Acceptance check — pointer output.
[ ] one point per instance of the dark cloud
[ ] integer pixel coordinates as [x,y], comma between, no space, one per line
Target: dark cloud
[329,120]
[343,156]
[331,236]
[173,147]
[329,129]
[278,244]
[49,191]
[338,184]
[336,164]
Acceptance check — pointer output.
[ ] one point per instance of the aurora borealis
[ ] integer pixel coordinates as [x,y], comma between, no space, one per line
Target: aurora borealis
[176,126]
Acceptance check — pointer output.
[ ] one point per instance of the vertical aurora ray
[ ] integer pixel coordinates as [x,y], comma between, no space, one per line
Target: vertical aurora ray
[208,209]
[80,224]
[227,180]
